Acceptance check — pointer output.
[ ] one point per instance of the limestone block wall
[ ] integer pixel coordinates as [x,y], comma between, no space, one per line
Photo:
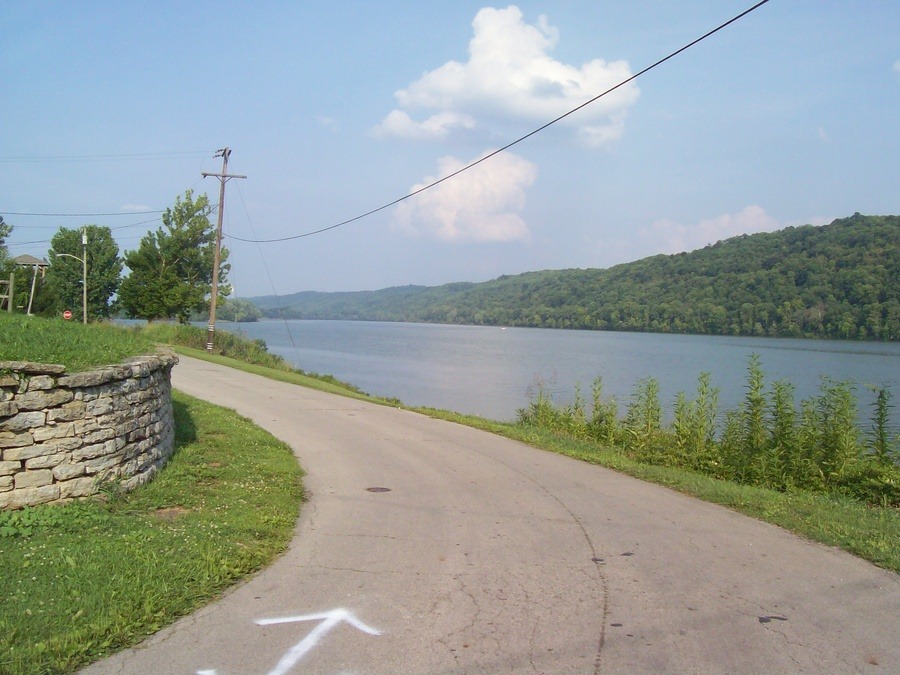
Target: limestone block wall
[63,436]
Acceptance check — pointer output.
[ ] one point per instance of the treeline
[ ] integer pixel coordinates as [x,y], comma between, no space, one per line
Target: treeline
[170,273]
[834,281]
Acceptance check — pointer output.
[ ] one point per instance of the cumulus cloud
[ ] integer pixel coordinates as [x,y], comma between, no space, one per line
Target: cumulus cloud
[399,123]
[510,76]
[671,237]
[482,204]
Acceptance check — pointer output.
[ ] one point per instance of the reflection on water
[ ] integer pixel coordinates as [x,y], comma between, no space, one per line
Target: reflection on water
[492,371]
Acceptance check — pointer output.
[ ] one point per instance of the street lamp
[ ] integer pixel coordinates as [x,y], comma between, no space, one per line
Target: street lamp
[83,261]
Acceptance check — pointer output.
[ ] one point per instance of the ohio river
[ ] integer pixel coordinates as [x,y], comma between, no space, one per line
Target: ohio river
[492,372]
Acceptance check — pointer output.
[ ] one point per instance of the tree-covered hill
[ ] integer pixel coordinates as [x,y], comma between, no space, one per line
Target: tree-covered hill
[840,280]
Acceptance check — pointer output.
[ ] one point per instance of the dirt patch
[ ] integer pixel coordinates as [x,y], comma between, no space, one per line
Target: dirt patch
[170,513]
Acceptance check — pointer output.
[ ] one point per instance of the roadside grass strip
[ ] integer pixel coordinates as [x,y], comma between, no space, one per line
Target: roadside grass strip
[83,580]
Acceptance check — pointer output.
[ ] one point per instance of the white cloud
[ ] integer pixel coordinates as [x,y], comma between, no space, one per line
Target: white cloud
[398,123]
[668,236]
[136,207]
[327,122]
[480,205]
[510,76]
[897,67]
[823,135]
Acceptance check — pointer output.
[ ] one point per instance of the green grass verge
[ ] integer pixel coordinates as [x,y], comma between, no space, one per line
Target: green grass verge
[72,344]
[84,580]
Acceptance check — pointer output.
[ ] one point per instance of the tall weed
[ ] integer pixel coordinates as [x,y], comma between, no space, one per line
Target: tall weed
[604,424]
[694,427]
[643,421]
[767,440]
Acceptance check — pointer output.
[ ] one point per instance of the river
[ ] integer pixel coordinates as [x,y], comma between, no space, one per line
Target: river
[492,372]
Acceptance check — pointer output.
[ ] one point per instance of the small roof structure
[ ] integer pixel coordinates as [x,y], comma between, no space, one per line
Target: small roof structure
[26,260]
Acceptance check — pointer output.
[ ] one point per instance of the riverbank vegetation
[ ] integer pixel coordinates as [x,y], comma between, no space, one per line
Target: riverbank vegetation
[768,441]
[833,281]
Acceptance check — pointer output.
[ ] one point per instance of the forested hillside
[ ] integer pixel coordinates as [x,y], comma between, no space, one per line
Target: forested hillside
[840,280]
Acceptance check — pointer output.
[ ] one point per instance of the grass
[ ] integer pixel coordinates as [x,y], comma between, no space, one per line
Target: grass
[84,580]
[72,344]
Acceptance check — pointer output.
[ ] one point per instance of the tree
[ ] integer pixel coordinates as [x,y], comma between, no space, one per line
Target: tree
[5,231]
[171,270]
[238,309]
[66,274]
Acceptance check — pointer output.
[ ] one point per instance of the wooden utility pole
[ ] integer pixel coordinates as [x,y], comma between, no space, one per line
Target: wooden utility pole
[84,275]
[224,153]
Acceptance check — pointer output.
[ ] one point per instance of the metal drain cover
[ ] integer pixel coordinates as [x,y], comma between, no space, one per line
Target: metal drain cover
[378,489]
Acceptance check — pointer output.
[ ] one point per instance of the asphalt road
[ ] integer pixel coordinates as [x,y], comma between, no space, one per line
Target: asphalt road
[429,547]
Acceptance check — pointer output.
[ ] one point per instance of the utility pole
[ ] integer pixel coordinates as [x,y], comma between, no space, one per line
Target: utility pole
[224,153]
[84,275]
[83,261]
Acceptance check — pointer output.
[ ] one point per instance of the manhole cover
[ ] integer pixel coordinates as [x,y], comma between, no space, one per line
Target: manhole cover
[378,489]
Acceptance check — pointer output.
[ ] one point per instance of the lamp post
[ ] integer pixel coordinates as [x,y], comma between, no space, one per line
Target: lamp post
[83,261]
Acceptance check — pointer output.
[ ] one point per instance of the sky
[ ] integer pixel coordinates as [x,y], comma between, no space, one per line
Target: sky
[332,109]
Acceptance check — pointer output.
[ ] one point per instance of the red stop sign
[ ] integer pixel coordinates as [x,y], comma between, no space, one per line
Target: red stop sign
[67,315]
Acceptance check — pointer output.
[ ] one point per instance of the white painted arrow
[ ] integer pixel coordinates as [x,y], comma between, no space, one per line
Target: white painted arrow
[329,620]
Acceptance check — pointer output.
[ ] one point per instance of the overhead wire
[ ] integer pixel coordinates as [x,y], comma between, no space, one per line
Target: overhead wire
[79,215]
[262,258]
[187,154]
[509,145]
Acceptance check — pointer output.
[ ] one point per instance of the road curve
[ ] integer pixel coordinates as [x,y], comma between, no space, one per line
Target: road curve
[482,555]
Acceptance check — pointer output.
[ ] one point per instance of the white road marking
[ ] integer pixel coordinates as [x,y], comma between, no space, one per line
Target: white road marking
[329,620]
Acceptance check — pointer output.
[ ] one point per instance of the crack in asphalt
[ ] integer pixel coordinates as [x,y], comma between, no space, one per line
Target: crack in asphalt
[595,558]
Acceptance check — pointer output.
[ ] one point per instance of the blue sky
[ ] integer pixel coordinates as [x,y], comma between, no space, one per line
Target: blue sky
[789,116]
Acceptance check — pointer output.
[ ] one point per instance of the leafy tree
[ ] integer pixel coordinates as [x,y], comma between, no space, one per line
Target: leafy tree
[238,309]
[5,231]
[66,274]
[171,270]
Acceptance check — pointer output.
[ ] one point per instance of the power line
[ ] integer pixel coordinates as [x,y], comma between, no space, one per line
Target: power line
[269,277]
[511,144]
[91,215]
[80,215]
[188,154]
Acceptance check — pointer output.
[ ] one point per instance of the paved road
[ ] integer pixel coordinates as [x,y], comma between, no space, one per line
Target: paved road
[487,556]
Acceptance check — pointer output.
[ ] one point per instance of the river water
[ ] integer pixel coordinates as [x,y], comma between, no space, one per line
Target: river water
[493,372]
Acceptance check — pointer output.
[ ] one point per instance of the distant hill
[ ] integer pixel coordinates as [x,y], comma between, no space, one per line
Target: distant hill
[840,280]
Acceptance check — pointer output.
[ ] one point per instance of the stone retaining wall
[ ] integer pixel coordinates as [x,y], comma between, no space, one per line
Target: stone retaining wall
[63,436]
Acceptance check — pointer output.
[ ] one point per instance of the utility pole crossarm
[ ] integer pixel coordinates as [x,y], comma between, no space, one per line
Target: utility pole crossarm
[223,177]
